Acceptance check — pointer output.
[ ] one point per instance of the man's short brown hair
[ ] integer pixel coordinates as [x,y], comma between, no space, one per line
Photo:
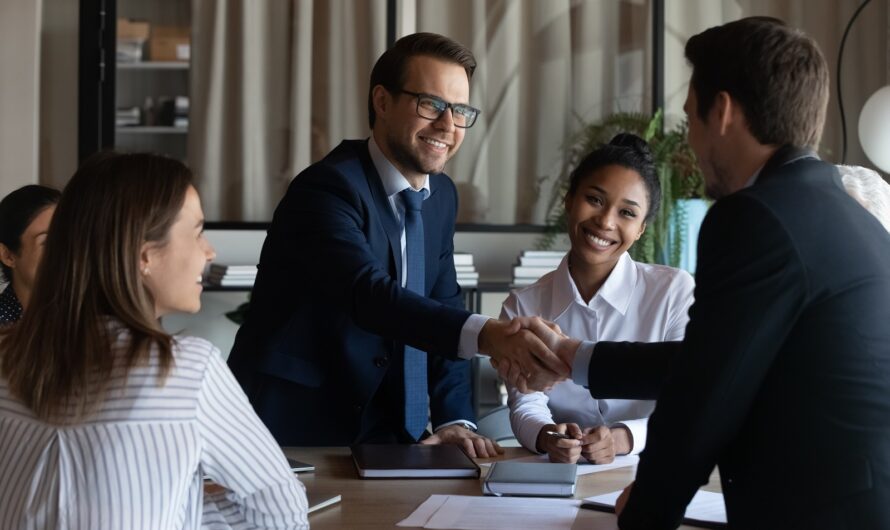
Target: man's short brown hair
[390,68]
[776,73]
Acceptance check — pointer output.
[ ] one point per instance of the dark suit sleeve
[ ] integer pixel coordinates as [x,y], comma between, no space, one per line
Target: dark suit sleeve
[630,370]
[750,287]
[316,243]
[449,380]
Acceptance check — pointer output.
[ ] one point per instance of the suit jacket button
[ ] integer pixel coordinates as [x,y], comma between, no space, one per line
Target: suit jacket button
[380,362]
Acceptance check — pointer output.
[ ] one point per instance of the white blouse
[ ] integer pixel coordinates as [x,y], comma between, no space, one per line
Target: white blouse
[638,302]
[138,461]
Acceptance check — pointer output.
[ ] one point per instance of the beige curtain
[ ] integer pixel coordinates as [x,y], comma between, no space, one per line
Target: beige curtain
[275,84]
[542,67]
[865,67]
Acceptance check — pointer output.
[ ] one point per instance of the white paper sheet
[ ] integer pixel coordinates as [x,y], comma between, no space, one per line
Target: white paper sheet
[422,514]
[705,505]
[583,468]
[461,512]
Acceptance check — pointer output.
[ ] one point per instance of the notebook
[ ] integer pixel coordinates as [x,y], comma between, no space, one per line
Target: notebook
[531,479]
[413,461]
[318,501]
[295,465]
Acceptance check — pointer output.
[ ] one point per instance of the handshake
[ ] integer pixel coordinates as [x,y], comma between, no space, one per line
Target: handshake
[528,352]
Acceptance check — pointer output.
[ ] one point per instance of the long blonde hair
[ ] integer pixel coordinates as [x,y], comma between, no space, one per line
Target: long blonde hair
[61,353]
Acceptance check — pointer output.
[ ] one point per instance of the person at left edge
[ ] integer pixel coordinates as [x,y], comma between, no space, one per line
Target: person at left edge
[322,353]
[25,215]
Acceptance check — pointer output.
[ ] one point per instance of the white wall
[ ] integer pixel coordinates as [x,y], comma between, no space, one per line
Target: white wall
[19,92]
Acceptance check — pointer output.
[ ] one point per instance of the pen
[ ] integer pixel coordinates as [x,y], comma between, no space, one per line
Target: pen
[559,435]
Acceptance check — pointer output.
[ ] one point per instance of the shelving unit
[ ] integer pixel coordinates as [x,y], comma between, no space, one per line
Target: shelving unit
[145,83]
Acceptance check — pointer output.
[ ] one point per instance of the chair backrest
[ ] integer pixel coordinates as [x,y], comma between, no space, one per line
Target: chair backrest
[495,424]
[869,189]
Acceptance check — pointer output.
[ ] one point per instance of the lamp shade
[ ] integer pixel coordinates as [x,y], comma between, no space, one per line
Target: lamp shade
[874,128]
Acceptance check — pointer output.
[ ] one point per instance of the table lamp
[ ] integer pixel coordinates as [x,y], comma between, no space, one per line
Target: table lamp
[874,128]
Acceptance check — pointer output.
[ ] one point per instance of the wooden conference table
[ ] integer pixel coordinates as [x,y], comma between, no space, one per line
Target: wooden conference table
[381,503]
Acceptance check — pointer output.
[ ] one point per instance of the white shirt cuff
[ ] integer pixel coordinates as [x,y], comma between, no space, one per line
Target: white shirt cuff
[638,430]
[582,363]
[469,336]
[468,422]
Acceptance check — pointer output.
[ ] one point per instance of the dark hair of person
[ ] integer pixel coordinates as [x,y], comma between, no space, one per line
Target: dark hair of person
[628,151]
[60,354]
[389,71]
[776,73]
[17,211]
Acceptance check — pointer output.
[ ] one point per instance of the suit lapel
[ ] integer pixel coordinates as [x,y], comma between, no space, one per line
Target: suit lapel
[381,203]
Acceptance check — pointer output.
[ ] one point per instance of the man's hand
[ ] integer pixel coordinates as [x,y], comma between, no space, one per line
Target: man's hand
[622,499]
[520,357]
[565,450]
[601,444]
[563,346]
[476,446]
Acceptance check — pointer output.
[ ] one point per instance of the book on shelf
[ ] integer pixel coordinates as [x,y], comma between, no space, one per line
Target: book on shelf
[464,268]
[531,479]
[524,282]
[467,275]
[544,253]
[538,261]
[520,271]
[466,283]
[232,275]
[232,269]
[463,258]
[412,461]
[231,282]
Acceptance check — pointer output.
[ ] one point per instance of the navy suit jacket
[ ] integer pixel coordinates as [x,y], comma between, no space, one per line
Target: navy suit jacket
[328,318]
[783,378]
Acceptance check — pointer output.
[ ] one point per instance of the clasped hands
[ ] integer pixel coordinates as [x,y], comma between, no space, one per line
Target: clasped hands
[528,352]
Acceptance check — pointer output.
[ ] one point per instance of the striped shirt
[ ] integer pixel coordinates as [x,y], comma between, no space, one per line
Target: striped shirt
[137,461]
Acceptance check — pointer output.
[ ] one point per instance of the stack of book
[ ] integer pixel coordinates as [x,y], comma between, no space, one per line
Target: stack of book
[231,275]
[466,271]
[535,263]
[127,117]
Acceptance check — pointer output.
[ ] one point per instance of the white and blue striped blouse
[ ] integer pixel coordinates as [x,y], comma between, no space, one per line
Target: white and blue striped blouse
[137,461]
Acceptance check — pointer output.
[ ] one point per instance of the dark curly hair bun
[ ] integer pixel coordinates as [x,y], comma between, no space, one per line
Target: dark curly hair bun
[625,150]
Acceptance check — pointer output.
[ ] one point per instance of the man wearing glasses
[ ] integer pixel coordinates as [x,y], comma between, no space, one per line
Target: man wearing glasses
[356,330]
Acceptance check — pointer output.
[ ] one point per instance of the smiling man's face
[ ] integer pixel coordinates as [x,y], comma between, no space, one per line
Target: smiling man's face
[415,145]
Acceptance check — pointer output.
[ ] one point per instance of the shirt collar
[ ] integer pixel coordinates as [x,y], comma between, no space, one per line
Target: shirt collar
[393,181]
[615,291]
[753,178]
[756,175]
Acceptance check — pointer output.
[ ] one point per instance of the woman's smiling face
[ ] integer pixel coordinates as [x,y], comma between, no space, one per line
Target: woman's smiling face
[606,215]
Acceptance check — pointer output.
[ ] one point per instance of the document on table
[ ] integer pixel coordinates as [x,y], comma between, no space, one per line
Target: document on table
[584,467]
[706,507]
[461,512]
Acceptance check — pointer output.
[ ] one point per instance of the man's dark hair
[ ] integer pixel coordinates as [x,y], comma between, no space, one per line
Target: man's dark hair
[628,151]
[389,70]
[775,72]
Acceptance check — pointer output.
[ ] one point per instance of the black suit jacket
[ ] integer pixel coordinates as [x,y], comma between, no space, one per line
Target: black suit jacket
[321,351]
[783,378]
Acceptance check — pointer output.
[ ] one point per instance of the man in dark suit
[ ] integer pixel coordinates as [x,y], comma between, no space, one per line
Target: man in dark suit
[356,279]
[783,378]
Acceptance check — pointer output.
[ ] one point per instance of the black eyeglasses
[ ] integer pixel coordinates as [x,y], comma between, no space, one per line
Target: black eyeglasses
[431,108]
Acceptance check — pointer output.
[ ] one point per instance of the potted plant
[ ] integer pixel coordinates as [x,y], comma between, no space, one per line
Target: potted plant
[667,235]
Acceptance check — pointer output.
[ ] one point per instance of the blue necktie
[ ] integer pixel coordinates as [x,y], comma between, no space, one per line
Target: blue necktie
[416,397]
